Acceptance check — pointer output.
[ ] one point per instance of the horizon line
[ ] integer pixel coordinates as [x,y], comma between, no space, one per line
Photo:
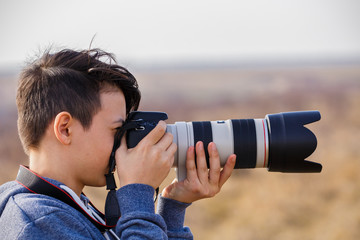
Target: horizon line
[226,63]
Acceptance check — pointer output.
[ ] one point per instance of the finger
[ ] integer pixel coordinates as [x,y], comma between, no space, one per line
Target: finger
[191,172]
[214,173]
[227,170]
[166,141]
[171,153]
[172,149]
[156,134]
[202,170]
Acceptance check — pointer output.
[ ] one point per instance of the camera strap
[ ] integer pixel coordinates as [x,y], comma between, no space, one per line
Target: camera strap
[112,209]
[38,185]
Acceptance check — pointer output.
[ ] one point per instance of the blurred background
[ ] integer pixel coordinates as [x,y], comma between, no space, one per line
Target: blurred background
[215,60]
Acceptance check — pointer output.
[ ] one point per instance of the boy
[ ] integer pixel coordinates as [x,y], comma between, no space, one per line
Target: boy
[70,105]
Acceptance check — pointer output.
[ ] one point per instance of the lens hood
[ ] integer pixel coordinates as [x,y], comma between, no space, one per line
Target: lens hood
[291,143]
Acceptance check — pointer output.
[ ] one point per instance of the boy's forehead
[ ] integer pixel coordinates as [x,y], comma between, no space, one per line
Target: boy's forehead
[113,101]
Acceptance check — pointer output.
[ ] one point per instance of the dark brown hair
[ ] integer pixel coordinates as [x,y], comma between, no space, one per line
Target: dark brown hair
[70,81]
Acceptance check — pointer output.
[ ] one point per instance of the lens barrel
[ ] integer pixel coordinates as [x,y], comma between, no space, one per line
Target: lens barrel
[280,142]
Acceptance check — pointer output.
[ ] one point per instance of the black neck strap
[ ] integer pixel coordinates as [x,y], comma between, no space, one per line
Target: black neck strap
[36,184]
[112,209]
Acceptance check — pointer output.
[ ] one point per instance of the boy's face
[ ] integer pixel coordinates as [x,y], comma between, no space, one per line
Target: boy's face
[95,144]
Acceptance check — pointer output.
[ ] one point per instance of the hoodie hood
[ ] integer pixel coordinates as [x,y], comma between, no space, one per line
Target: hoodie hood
[9,190]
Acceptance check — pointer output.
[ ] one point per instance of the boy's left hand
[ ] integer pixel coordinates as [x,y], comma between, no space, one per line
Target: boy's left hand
[200,182]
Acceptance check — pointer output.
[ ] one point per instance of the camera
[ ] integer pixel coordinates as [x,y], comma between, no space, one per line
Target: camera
[278,142]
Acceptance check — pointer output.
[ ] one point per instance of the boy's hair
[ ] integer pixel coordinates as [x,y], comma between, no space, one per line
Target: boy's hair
[69,81]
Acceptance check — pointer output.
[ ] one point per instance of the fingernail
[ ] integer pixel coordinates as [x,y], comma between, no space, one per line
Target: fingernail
[162,123]
[191,149]
[213,146]
[234,158]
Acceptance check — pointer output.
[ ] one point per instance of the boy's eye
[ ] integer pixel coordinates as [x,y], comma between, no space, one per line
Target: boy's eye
[118,128]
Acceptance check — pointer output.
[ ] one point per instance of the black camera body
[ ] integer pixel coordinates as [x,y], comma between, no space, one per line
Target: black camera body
[147,121]
[279,142]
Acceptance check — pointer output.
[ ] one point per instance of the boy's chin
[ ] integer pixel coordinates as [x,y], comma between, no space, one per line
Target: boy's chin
[99,183]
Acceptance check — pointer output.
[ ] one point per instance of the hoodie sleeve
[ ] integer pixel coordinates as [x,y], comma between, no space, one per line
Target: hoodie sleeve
[173,212]
[139,221]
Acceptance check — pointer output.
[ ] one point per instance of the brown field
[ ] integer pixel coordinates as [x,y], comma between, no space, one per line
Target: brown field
[253,204]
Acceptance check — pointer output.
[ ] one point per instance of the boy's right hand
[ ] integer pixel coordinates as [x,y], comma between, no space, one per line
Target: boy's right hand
[150,161]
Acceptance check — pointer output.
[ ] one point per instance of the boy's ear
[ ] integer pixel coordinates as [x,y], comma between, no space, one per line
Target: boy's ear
[62,127]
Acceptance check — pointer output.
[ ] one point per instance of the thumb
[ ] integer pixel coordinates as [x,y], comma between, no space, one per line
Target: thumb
[167,190]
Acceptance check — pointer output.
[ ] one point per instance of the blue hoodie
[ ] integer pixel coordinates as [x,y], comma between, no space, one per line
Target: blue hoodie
[25,215]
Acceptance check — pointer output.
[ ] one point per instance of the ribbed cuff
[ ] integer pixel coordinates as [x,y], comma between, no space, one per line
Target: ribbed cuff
[136,198]
[173,212]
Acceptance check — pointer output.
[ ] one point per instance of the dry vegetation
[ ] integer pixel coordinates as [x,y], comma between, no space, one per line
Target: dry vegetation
[254,204]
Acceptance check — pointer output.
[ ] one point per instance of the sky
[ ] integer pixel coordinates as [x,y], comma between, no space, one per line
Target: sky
[180,31]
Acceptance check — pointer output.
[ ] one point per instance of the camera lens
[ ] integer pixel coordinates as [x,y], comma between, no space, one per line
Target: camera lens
[278,142]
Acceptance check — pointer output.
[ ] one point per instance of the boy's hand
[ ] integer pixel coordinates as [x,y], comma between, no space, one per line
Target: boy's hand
[150,161]
[201,182]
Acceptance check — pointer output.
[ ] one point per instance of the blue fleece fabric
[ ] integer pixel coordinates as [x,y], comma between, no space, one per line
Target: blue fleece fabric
[25,215]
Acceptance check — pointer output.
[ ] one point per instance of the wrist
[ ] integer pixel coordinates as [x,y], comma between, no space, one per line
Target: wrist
[172,211]
[136,178]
